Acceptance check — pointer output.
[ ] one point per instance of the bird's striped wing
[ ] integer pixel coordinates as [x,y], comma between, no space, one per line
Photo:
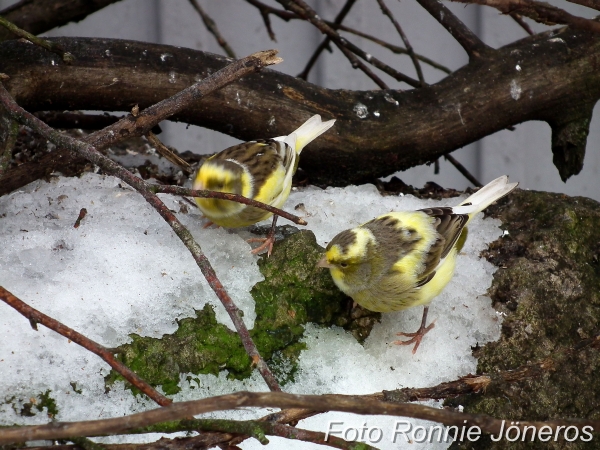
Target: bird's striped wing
[260,158]
[449,226]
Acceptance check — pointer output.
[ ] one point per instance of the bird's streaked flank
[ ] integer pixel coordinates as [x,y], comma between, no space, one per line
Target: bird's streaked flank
[404,259]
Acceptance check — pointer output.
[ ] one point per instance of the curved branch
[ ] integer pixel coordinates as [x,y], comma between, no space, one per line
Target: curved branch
[36,317]
[536,78]
[332,402]
[346,47]
[141,123]
[38,16]
[541,12]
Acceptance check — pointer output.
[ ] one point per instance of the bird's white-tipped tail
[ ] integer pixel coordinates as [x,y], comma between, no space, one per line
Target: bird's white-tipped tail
[485,196]
[308,131]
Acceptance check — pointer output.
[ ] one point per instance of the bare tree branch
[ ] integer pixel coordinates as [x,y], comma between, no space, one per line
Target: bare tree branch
[176,190]
[168,154]
[141,124]
[147,119]
[594,4]
[325,44]
[36,317]
[346,47]
[38,16]
[409,128]
[50,46]
[211,26]
[540,12]
[517,18]
[386,11]
[392,48]
[463,170]
[474,47]
[344,403]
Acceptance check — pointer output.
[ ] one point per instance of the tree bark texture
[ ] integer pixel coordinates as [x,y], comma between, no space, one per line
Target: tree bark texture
[38,16]
[552,76]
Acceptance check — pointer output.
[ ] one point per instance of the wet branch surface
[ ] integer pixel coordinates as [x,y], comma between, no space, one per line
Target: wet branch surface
[142,123]
[411,128]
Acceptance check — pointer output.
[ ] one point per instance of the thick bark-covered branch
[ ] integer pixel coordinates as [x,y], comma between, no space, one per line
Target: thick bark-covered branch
[376,133]
[38,16]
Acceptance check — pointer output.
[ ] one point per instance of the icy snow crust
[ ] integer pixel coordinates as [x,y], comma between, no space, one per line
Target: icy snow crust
[124,271]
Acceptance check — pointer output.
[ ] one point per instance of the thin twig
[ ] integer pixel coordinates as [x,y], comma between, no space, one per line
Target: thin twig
[211,26]
[130,126]
[541,12]
[337,402]
[232,432]
[91,154]
[168,154]
[36,317]
[593,4]
[517,18]
[386,11]
[325,44]
[177,190]
[67,119]
[474,47]
[301,8]
[257,429]
[391,47]
[265,10]
[463,170]
[50,46]
[346,47]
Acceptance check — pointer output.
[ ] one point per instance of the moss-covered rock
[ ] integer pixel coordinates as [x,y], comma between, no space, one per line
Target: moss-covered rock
[548,287]
[294,293]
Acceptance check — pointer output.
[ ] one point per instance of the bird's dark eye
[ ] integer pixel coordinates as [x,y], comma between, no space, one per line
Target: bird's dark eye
[344,265]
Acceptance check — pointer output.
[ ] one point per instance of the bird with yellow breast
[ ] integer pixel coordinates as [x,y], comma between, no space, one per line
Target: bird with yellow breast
[404,259]
[261,170]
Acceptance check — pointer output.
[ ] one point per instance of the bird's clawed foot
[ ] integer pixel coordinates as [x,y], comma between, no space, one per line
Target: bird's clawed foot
[267,243]
[415,337]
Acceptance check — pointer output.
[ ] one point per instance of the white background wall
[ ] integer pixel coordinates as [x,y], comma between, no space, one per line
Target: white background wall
[524,153]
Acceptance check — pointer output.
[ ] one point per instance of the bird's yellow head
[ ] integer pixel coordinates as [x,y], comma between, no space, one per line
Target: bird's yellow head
[222,176]
[349,258]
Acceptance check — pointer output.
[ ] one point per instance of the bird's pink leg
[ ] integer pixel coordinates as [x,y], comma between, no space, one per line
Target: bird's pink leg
[417,335]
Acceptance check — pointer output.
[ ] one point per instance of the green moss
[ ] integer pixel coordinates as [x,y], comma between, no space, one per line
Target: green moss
[294,293]
[37,404]
[200,345]
[548,288]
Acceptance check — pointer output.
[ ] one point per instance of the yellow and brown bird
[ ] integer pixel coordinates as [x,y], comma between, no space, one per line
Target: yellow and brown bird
[261,170]
[404,259]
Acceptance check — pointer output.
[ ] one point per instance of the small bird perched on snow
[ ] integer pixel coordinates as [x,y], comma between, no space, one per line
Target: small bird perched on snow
[261,170]
[404,259]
